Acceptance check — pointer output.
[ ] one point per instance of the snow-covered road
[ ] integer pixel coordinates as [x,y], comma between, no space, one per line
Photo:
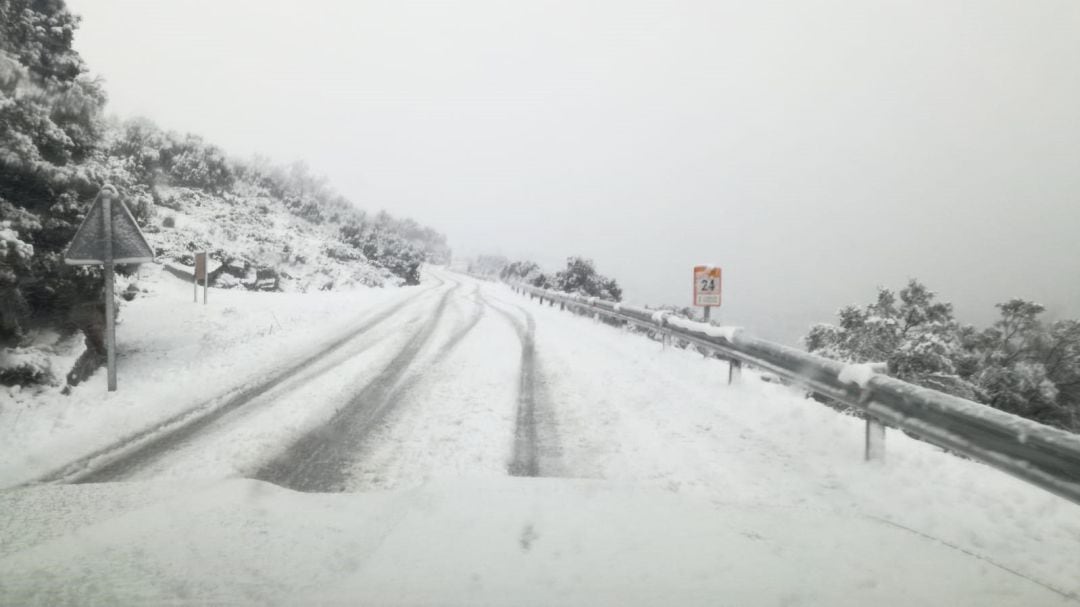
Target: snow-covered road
[463,381]
[378,409]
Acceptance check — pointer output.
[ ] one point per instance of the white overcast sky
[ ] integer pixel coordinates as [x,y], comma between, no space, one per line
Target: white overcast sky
[814,149]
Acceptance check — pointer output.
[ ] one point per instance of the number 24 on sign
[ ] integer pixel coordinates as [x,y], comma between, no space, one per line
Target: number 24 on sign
[706,286]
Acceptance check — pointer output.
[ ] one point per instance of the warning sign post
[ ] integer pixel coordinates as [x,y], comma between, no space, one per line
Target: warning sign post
[108,236]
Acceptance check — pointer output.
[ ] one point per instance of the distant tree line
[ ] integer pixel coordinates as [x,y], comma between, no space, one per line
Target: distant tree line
[579,276]
[1020,364]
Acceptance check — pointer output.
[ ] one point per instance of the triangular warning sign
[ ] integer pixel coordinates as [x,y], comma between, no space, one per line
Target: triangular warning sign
[128,243]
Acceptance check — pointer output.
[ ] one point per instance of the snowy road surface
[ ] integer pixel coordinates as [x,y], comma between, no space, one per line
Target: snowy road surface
[460,385]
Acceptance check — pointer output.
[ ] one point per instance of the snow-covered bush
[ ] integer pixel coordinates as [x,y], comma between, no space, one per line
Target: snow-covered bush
[25,366]
[525,271]
[581,277]
[385,248]
[1019,364]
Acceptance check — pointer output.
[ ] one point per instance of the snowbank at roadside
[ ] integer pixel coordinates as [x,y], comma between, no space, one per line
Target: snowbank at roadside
[173,354]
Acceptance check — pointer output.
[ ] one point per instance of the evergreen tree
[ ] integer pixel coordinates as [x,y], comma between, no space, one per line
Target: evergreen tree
[50,123]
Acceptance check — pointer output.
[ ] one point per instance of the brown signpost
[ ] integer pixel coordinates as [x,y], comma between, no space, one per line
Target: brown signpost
[201,274]
[108,236]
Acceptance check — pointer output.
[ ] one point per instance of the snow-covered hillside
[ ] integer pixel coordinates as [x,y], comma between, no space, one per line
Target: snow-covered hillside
[259,243]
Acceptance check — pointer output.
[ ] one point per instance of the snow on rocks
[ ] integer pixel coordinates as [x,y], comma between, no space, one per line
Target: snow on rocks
[249,232]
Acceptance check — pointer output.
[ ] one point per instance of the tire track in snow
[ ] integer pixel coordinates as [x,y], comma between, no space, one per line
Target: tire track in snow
[320,460]
[534,450]
[380,428]
[123,457]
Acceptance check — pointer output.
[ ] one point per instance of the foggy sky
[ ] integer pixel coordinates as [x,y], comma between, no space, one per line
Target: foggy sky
[814,149]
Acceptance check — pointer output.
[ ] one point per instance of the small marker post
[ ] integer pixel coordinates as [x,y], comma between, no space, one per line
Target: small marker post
[875,440]
[201,272]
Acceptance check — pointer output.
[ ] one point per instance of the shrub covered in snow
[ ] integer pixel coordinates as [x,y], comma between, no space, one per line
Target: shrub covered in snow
[525,271]
[25,366]
[580,276]
[1019,364]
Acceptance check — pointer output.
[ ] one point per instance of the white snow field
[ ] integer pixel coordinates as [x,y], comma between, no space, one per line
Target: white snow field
[456,443]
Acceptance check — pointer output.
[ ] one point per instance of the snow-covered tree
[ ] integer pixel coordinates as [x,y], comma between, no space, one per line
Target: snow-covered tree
[580,276]
[50,126]
[528,272]
[1019,364]
[1028,368]
[913,333]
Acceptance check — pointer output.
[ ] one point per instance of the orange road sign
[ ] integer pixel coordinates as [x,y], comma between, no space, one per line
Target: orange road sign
[706,286]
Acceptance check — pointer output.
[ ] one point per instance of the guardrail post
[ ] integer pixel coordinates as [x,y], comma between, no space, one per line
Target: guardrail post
[734,371]
[875,440]
[875,433]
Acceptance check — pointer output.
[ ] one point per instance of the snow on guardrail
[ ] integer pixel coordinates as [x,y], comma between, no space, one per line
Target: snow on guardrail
[725,333]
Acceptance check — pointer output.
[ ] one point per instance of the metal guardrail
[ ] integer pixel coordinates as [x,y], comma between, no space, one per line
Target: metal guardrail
[1044,456]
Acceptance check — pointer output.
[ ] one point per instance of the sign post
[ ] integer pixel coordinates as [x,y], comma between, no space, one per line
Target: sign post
[201,273]
[707,288]
[110,302]
[108,236]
